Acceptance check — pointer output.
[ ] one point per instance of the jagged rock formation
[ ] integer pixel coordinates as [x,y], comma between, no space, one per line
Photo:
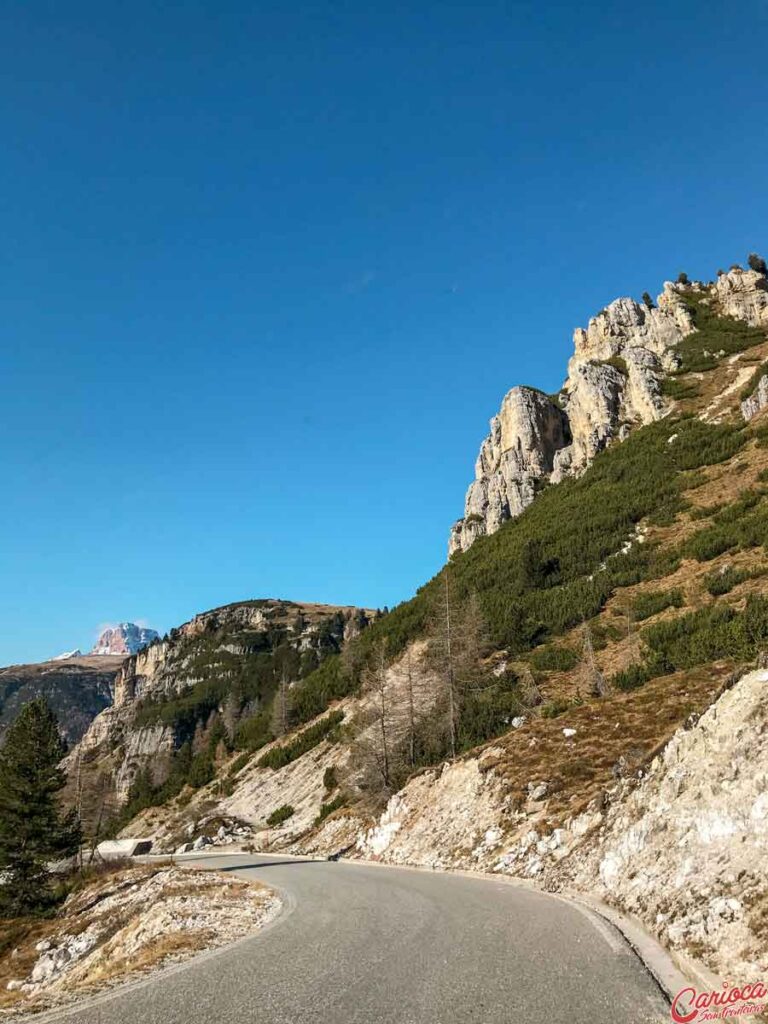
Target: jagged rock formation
[743,294]
[516,456]
[77,689]
[124,639]
[613,383]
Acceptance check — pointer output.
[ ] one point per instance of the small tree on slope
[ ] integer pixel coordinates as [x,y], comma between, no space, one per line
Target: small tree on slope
[32,828]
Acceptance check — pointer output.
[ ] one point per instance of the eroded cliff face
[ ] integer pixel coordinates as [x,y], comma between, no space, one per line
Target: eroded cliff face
[614,383]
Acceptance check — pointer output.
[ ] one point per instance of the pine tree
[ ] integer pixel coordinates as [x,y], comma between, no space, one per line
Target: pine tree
[33,831]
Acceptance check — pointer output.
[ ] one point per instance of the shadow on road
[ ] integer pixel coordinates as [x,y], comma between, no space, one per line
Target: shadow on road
[271,864]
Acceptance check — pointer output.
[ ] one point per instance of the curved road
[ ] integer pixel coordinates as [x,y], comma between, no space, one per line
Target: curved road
[360,944]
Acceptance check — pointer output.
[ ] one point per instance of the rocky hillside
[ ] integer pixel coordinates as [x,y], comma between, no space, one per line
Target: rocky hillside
[77,689]
[212,680]
[546,704]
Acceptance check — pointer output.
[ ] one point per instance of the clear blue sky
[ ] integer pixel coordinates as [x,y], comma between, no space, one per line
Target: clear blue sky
[269,268]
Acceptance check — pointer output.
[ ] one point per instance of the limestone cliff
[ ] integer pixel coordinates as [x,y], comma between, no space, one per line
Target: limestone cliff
[614,383]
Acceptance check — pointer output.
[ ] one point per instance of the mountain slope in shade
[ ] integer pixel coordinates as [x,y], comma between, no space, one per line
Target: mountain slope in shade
[124,639]
[77,689]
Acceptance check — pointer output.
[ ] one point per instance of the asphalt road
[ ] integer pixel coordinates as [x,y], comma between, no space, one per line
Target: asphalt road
[360,944]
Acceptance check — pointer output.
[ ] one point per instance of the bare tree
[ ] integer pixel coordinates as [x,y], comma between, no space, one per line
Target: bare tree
[410,706]
[450,669]
[280,720]
[596,683]
[457,645]
[529,689]
[376,678]
[373,749]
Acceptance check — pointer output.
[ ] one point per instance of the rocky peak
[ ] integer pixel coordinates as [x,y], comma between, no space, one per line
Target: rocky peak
[125,638]
[614,383]
[516,456]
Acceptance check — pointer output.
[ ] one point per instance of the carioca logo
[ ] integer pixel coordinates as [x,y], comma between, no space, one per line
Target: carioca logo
[690,1005]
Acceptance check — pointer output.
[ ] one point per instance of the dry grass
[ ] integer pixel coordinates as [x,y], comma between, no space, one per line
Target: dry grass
[149,957]
[614,736]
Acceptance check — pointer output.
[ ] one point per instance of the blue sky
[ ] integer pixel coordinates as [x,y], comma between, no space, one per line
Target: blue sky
[269,269]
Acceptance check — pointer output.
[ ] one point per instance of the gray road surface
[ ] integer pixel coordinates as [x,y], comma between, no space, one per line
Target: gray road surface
[359,944]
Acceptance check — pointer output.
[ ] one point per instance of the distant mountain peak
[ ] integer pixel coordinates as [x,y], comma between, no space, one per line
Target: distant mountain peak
[123,639]
[77,653]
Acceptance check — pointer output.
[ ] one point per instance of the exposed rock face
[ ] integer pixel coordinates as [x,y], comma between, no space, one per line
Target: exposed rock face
[688,853]
[518,453]
[77,690]
[743,294]
[757,401]
[124,639]
[614,383]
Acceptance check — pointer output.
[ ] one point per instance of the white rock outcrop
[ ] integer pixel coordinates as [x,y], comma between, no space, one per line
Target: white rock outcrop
[517,455]
[757,401]
[686,849]
[614,383]
[743,294]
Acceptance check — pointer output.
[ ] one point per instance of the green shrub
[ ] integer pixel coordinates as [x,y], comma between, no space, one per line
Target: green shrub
[705,511]
[330,782]
[281,814]
[254,732]
[239,763]
[724,580]
[714,337]
[743,524]
[554,659]
[678,390]
[555,708]
[325,729]
[653,602]
[329,808]
[631,678]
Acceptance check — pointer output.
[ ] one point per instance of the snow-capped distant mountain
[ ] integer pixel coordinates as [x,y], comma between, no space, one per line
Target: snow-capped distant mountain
[125,638]
[77,653]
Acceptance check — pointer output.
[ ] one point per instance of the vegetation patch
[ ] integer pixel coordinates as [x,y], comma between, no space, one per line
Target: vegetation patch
[552,658]
[329,808]
[281,814]
[653,602]
[715,336]
[710,634]
[326,729]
